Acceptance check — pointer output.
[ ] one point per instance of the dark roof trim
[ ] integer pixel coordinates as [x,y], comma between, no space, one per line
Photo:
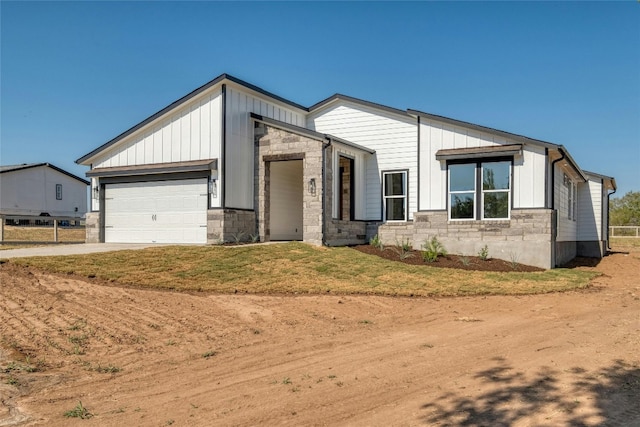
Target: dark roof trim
[308,132]
[564,153]
[154,169]
[479,152]
[264,92]
[181,101]
[479,128]
[289,127]
[350,144]
[4,169]
[603,177]
[515,137]
[339,96]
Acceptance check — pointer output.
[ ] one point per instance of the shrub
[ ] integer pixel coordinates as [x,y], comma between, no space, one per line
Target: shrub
[376,242]
[79,412]
[403,249]
[483,253]
[432,249]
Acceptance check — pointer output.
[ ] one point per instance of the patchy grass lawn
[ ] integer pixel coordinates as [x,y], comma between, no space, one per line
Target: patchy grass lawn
[624,242]
[297,268]
[41,234]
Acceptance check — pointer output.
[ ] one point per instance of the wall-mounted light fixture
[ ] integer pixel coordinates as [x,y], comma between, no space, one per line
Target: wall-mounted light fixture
[213,188]
[96,192]
[312,186]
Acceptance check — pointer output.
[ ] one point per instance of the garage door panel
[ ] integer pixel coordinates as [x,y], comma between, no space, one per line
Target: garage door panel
[159,211]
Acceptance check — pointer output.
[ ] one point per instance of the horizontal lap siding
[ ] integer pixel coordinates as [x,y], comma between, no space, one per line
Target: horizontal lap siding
[193,132]
[393,138]
[239,147]
[528,172]
[590,210]
[567,228]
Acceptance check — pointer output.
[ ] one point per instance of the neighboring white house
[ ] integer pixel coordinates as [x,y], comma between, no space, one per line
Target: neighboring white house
[230,160]
[41,189]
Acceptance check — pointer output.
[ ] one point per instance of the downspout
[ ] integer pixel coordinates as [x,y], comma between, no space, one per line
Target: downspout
[553,202]
[553,178]
[608,211]
[223,144]
[324,183]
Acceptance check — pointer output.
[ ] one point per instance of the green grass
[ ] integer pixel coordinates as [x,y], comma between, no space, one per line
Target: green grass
[624,242]
[297,268]
[40,234]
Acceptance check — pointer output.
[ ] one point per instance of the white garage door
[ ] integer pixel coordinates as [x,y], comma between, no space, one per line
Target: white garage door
[156,212]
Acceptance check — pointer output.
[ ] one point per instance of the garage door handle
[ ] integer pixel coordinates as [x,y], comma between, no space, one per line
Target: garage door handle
[154,217]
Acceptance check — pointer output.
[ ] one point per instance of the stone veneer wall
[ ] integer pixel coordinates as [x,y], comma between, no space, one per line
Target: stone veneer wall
[340,232]
[273,144]
[230,225]
[528,237]
[92,227]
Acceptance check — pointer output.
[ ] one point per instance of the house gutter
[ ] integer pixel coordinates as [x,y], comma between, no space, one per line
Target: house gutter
[324,191]
[608,211]
[553,178]
[553,204]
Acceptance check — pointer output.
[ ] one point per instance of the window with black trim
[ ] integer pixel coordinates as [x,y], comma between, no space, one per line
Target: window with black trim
[394,191]
[480,190]
[58,191]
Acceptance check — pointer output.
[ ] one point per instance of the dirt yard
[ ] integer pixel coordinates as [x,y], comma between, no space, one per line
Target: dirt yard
[154,358]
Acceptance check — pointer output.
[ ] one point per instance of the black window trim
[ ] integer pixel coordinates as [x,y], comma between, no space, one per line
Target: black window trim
[478,184]
[406,196]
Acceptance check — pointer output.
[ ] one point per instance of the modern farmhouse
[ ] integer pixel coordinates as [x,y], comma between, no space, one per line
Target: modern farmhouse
[34,189]
[231,160]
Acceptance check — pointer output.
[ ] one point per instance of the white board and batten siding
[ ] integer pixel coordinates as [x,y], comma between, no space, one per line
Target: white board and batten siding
[590,209]
[192,132]
[393,137]
[528,170]
[239,149]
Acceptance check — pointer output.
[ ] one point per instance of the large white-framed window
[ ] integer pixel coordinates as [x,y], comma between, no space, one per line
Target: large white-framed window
[394,195]
[480,190]
[572,197]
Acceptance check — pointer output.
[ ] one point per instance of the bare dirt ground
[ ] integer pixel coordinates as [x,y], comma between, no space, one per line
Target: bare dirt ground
[153,358]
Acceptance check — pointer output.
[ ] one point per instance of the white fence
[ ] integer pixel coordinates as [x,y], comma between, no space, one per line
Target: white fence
[624,231]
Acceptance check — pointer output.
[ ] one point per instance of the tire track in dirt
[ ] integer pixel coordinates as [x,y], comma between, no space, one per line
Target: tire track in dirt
[151,357]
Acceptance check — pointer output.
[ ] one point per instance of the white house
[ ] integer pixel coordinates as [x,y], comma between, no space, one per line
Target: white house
[230,160]
[41,188]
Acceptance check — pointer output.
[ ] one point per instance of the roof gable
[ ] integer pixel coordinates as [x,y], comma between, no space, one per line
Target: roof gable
[222,78]
[14,168]
[340,97]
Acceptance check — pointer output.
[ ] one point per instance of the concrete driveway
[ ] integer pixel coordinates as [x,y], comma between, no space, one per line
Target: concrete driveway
[72,249]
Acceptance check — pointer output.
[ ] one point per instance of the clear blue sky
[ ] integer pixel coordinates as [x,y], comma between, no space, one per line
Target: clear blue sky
[76,74]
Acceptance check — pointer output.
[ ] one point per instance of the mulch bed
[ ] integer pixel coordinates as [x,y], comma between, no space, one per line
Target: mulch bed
[449,261]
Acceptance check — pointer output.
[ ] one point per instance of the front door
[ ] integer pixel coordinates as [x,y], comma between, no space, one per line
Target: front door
[285,200]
